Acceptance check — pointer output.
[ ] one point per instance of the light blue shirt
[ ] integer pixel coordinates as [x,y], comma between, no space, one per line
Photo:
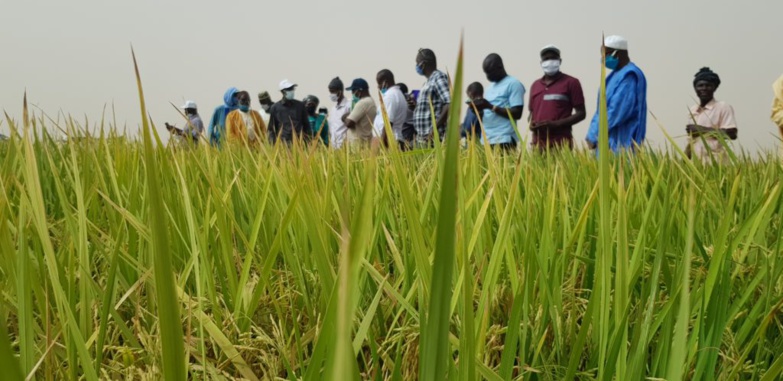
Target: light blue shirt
[506,93]
[626,101]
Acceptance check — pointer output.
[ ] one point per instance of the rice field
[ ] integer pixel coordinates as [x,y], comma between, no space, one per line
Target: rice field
[126,260]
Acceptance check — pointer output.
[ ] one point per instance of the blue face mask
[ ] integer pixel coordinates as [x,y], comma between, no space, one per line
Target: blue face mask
[612,62]
[383,90]
[244,108]
[355,99]
[419,69]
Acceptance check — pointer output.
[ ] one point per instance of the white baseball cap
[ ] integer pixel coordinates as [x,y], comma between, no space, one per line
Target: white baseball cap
[189,104]
[286,84]
[616,42]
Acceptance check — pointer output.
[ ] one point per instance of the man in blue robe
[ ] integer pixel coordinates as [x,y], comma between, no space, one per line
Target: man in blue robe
[626,99]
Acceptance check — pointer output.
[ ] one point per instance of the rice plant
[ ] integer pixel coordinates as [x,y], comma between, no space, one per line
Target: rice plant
[124,259]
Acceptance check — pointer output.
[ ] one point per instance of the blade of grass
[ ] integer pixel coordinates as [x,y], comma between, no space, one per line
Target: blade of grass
[172,341]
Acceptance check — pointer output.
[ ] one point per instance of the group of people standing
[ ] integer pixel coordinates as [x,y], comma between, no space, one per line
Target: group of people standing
[416,118]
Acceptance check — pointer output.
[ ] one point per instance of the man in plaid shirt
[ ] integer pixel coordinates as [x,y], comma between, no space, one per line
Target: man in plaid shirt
[435,91]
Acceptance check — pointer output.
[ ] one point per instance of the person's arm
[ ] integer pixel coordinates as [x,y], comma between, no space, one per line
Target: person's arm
[577,97]
[273,125]
[232,126]
[213,133]
[777,113]
[592,133]
[578,116]
[443,92]
[307,132]
[516,101]
[354,116]
[199,128]
[777,104]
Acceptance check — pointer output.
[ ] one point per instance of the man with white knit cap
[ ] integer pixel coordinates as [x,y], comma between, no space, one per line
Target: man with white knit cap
[626,99]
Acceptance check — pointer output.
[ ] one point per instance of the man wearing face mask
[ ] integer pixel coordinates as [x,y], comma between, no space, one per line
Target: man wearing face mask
[556,104]
[436,92]
[396,109]
[318,124]
[244,125]
[342,107]
[626,99]
[359,122]
[288,118]
[504,100]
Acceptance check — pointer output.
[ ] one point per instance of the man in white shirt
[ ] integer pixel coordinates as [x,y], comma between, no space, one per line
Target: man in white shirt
[396,109]
[342,106]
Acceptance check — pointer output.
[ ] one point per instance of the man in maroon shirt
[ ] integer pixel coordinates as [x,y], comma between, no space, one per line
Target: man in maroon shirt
[556,104]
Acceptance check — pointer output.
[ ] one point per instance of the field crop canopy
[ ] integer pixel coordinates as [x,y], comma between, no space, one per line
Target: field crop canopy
[125,259]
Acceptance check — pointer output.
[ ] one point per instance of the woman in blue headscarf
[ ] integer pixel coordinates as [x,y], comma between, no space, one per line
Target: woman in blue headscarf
[217,125]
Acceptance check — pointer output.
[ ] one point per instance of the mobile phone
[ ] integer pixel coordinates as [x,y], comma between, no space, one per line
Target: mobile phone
[415,94]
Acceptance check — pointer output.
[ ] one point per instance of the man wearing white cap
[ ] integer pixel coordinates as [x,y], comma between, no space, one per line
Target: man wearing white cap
[288,119]
[626,99]
[194,127]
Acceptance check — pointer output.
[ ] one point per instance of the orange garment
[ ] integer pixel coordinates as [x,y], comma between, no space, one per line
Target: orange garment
[237,129]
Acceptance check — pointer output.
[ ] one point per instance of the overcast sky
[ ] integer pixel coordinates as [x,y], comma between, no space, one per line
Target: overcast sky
[74,56]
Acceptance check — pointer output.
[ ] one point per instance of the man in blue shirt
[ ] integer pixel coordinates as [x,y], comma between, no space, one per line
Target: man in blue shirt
[626,99]
[504,100]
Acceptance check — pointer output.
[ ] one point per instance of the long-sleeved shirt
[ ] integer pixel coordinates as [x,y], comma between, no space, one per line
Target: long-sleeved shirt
[777,104]
[195,126]
[626,100]
[245,127]
[286,118]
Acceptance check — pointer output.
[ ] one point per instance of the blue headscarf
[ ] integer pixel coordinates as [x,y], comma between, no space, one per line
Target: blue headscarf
[228,97]
[218,123]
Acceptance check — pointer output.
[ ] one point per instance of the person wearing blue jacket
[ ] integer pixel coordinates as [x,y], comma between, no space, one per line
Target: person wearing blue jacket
[217,125]
[626,99]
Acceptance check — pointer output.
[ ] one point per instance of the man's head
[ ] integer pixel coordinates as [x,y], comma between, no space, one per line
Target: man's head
[550,60]
[616,52]
[288,89]
[243,100]
[706,82]
[190,108]
[385,79]
[265,100]
[359,88]
[493,68]
[426,62]
[475,91]
[311,104]
[336,88]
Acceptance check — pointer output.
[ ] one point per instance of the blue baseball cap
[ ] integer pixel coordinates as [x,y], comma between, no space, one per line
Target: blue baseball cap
[358,84]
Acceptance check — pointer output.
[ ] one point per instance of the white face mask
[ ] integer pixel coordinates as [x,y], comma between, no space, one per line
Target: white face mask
[334,97]
[265,107]
[551,67]
[289,95]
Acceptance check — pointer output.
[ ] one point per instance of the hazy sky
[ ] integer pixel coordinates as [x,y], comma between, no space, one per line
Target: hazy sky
[74,56]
